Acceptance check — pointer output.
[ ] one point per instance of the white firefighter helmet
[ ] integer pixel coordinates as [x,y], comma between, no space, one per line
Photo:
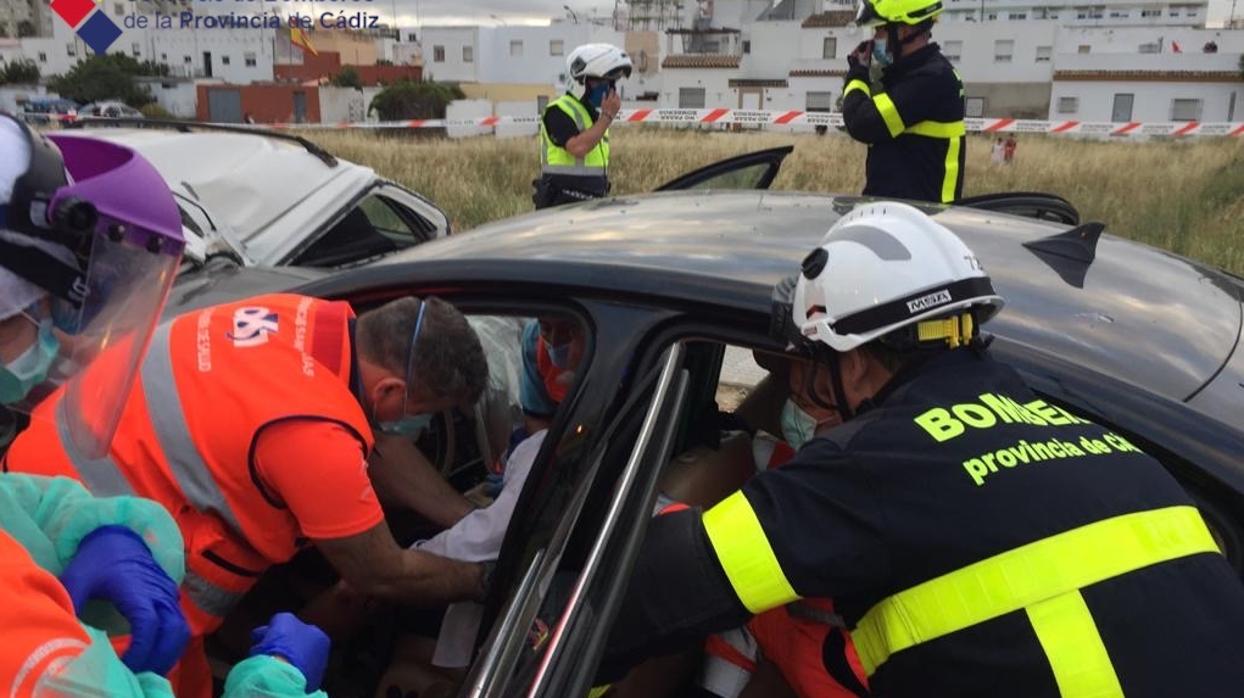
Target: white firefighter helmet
[604,61]
[887,271]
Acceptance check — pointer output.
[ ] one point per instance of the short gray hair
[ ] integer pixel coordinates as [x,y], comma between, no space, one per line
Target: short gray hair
[449,360]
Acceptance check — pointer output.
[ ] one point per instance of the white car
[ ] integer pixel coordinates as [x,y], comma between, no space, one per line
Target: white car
[262,198]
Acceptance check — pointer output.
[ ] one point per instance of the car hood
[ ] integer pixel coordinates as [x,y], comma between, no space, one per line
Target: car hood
[1142,315]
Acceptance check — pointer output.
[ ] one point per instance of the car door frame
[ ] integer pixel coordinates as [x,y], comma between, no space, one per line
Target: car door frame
[771,156]
[381,188]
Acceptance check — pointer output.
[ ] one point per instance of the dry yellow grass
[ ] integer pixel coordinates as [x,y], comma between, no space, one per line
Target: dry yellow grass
[1186,196]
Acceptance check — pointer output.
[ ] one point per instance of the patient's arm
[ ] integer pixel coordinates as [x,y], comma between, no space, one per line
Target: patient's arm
[403,476]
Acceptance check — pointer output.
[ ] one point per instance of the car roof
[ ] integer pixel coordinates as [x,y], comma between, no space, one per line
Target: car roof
[1142,315]
[246,180]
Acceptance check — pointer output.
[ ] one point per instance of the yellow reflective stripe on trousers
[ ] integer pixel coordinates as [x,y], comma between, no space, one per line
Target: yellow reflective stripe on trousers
[1027,576]
[746,556]
[950,179]
[1073,646]
[889,113]
[856,84]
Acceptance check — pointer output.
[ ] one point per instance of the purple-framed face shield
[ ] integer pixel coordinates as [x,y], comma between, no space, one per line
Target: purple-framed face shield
[118,220]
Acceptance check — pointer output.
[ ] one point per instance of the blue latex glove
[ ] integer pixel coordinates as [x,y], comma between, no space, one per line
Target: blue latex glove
[114,564]
[301,644]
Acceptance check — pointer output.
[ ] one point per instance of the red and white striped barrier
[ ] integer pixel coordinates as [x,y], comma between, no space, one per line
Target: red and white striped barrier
[765,119]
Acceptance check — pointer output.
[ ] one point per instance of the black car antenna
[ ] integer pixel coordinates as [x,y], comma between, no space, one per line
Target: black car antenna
[188,126]
[1069,253]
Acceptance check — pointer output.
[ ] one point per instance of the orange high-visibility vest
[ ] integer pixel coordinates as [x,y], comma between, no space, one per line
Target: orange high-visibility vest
[211,381]
[41,632]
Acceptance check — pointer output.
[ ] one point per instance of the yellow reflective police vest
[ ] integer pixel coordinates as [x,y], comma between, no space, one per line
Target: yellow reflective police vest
[555,159]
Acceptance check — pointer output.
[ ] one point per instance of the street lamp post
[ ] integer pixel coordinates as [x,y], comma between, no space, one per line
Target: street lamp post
[573,15]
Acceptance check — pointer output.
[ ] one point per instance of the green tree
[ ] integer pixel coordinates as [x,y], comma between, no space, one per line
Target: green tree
[103,78]
[20,72]
[348,77]
[1242,66]
[25,28]
[415,100]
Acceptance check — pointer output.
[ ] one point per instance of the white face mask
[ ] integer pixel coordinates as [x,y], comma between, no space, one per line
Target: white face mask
[798,427]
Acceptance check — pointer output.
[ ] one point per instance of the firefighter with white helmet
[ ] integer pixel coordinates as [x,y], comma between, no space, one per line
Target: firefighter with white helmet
[574,131]
[977,539]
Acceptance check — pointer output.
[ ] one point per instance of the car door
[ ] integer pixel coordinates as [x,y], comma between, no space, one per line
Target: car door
[378,223]
[535,643]
[750,171]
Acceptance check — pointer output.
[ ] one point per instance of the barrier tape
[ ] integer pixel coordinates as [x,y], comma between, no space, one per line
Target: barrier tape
[752,117]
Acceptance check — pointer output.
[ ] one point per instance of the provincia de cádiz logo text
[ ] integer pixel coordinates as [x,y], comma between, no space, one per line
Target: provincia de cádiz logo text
[99,31]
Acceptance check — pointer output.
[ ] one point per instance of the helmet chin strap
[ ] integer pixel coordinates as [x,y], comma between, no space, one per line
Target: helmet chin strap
[841,404]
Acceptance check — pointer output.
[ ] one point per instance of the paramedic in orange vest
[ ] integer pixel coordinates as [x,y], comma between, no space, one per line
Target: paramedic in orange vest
[252,422]
[90,240]
[56,646]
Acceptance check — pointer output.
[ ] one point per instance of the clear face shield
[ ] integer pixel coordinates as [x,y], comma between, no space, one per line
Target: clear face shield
[119,234]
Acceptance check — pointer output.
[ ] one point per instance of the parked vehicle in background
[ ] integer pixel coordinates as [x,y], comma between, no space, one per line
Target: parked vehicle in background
[110,109]
[45,111]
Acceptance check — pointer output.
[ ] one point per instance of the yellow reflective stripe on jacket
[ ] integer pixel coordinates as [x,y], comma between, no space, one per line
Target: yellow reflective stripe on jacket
[951,178]
[1067,633]
[745,554]
[856,84]
[1032,577]
[889,113]
[938,129]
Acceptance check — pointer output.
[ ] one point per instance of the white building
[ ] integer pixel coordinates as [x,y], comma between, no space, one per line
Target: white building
[508,55]
[1148,88]
[1011,68]
[1099,13]
[239,55]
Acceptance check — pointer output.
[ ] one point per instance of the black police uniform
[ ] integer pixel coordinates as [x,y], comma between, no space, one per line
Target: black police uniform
[880,505]
[914,129]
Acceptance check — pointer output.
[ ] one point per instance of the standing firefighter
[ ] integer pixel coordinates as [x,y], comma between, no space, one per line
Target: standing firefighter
[914,125]
[574,132]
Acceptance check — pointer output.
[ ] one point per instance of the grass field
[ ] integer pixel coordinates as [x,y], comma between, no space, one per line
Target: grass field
[1186,196]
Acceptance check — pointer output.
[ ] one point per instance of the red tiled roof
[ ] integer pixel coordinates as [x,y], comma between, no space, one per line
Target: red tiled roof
[700,60]
[833,18]
[1149,75]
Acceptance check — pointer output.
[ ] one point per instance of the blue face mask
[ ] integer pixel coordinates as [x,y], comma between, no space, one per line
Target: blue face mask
[410,426]
[880,55]
[596,95]
[21,375]
[560,356]
[798,427]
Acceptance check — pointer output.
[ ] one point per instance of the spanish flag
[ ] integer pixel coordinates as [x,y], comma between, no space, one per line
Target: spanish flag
[299,38]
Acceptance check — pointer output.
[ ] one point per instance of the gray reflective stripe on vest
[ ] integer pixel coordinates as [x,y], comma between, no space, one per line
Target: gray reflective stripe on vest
[576,170]
[100,475]
[168,420]
[210,598]
[816,615]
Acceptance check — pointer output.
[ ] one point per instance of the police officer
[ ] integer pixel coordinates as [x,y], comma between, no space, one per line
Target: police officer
[977,540]
[574,132]
[914,124]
